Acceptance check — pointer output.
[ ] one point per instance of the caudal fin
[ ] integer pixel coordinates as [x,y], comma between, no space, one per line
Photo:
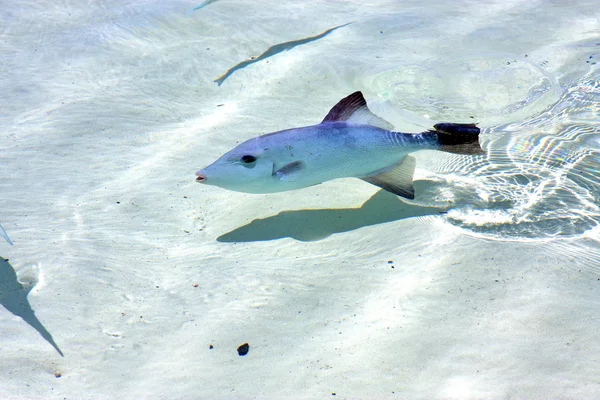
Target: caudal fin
[458,138]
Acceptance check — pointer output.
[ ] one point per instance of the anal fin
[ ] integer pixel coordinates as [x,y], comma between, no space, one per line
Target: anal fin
[398,179]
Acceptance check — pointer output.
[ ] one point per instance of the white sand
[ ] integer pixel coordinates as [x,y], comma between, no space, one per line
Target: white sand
[108,110]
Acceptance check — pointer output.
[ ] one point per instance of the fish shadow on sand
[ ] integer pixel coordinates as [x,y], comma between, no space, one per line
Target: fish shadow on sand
[13,296]
[273,50]
[311,225]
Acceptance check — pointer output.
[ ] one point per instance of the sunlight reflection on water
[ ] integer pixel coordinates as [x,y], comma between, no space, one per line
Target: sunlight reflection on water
[539,179]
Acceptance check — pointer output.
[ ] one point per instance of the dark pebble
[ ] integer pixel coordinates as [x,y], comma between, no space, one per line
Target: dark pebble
[243,349]
[210,346]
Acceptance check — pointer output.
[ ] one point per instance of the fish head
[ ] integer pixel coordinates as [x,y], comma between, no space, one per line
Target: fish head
[250,167]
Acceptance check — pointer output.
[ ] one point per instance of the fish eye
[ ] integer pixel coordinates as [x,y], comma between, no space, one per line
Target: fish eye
[248,159]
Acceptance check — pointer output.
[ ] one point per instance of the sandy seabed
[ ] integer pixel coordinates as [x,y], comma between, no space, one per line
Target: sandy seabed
[129,280]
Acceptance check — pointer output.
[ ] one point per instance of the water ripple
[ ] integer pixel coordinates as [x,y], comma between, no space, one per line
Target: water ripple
[491,87]
[540,178]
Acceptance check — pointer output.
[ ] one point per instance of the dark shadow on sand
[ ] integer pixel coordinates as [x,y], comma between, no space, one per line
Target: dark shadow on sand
[204,4]
[275,49]
[13,296]
[310,225]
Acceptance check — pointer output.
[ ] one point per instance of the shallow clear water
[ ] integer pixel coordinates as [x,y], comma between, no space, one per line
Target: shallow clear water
[124,271]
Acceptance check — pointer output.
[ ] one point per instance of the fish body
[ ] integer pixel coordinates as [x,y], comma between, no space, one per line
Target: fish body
[349,142]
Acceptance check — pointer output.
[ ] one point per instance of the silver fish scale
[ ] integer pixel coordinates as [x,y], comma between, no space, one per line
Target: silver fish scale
[417,140]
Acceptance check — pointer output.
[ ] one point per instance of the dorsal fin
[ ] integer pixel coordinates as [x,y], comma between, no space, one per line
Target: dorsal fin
[353,109]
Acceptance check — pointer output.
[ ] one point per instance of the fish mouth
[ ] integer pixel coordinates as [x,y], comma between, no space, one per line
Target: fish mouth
[200,177]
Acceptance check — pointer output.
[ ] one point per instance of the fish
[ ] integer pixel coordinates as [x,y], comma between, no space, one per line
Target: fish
[350,142]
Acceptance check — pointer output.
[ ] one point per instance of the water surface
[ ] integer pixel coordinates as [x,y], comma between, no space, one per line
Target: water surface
[485,286]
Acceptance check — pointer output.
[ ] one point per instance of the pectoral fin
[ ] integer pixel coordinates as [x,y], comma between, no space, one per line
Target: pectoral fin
[398,179]
[289,171]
